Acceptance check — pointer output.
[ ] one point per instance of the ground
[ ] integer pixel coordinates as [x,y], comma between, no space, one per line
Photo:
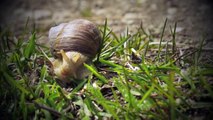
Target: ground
[193,17]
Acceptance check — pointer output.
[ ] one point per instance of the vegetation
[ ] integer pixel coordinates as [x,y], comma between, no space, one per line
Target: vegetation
[132,77]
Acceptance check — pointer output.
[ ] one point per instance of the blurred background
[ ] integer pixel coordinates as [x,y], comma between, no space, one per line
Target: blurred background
[194,17]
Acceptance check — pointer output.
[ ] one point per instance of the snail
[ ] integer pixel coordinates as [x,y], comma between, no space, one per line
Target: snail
[73,44]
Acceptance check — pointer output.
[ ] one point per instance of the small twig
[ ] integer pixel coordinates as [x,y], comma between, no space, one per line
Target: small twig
[207,49]
[185,55]
[196,50]
[47,108]
[97,106]
[158,43]
[54,112]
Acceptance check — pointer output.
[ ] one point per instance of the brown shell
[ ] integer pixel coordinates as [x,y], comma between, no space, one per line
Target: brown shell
[78,35]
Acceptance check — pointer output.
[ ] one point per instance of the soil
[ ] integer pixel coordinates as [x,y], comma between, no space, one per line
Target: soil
[193,17]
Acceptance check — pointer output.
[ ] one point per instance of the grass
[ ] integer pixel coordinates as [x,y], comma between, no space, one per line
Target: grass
[128,80]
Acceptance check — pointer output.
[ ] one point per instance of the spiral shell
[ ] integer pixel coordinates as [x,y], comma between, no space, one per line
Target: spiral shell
[78,35]
[73,44]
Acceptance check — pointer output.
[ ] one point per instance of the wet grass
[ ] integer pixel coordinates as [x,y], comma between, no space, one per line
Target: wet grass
[133,77]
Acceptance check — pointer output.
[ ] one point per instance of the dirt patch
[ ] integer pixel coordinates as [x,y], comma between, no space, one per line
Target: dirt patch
[193,17]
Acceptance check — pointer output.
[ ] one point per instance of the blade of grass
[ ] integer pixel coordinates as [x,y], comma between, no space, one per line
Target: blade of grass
[110,63]
[13,82]
[30,48]
[206,85]
[43,72]
[161,39]
[130,101]
[104,39]
[147,94]
[173,38]
[23,106]
[94,71]
[112,50]
[171,93]
[99,98]
[141,28]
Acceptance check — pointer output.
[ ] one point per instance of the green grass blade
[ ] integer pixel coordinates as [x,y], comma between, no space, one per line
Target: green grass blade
[147,94]
[174,38]
[43,72]
[161,39]
[30,48]
[14,83]
[94,71]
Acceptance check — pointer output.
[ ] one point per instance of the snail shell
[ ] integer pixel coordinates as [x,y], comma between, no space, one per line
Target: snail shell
[73,44]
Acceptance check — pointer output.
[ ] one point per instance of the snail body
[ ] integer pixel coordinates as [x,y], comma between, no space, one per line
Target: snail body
[72,45]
